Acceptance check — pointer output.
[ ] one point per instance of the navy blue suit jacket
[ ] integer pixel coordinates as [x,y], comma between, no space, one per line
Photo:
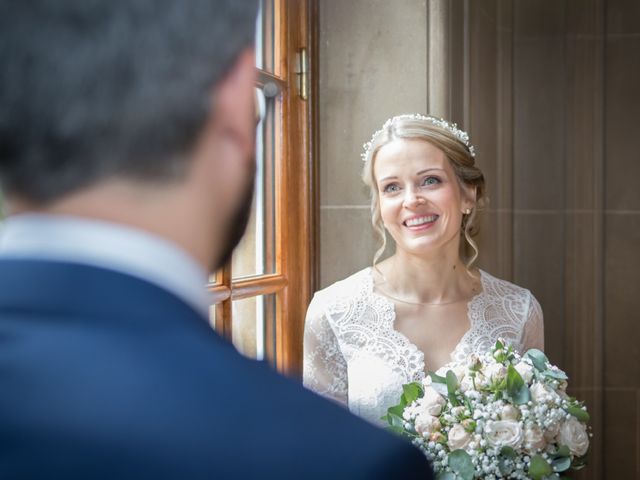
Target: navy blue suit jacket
[104,375]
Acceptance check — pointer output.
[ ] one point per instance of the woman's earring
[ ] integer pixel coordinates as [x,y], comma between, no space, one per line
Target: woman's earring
[467,211]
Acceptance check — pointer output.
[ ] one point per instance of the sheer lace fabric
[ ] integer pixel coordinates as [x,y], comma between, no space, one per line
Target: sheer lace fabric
[353,354]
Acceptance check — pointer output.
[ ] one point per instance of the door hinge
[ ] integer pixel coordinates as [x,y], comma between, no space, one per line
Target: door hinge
[302,72]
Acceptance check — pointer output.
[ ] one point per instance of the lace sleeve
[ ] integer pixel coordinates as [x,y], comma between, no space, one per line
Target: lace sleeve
[533,335]
[324,369]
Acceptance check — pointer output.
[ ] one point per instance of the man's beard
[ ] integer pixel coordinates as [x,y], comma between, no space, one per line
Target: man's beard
[237,225]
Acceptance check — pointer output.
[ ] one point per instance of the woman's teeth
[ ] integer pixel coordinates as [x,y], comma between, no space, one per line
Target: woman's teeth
[415,222]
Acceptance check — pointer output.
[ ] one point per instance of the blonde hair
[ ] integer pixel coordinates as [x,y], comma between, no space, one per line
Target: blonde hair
[460,154]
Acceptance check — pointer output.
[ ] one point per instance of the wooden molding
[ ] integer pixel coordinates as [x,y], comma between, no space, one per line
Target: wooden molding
[298,194]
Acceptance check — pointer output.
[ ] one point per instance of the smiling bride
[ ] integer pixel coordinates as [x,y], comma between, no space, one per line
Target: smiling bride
[426,305]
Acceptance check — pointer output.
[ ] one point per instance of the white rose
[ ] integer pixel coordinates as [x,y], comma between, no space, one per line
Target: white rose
[525,370]
[534,439]
[458,437]
[427,424]
[503,433]
[432,402]
[541,393]
[573,434]
[496,371]
[509,412]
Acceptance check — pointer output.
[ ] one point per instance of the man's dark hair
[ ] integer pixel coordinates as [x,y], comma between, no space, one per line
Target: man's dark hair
[91,89]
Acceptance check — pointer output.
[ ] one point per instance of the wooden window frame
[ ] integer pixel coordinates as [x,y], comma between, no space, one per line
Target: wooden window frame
[296,198]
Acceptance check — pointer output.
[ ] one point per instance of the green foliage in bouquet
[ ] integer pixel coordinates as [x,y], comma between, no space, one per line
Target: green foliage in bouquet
[499,415]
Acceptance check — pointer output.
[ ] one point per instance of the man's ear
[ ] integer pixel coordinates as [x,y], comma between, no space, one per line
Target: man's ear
[234,102]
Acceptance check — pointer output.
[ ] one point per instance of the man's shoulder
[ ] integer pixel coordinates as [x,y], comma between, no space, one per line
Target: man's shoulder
[150,375]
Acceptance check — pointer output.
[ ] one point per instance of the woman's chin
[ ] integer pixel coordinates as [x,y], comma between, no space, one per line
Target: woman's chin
[426,246]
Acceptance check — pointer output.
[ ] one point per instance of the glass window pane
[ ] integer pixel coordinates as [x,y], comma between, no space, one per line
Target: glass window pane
[253,329]
[255,254]
[265,35]
[1,206]
[212,316]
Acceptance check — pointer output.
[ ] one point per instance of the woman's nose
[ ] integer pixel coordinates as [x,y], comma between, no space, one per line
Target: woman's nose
[412,199]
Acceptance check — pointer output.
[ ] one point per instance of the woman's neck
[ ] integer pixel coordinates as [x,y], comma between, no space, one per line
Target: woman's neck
[438,279]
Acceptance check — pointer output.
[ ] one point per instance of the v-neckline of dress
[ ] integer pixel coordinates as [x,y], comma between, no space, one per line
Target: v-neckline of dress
[419,367]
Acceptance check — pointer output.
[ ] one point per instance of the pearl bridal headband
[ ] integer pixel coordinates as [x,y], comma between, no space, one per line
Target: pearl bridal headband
[452,128]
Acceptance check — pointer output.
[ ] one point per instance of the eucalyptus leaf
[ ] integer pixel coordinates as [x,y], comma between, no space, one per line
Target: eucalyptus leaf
[563,451]
[452,382]
[523,396]
[395,421]
[452,387]
[437,378]
[397,410]
[554,476]
[505,458]
[508,452]
[514,380]
[412,391]
[538,359]
[460,462]
[578,412]
[539,468]
[556,374]
[561,464]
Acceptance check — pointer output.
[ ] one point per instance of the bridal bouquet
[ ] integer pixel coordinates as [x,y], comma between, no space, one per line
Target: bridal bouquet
[499,415]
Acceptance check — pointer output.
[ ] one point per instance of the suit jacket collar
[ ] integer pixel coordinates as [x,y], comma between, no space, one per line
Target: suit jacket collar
[88,293]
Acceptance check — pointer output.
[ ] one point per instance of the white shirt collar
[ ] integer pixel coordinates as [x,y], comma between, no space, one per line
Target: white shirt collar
[107,245]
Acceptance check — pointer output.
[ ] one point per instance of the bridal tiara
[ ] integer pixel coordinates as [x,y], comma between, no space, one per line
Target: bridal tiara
[452,128]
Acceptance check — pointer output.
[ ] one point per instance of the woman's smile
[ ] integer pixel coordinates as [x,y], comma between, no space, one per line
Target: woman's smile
[418,223]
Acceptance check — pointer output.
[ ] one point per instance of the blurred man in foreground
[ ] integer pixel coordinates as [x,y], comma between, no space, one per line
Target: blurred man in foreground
[126,158]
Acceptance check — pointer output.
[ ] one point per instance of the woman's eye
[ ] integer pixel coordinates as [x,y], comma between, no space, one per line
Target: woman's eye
[431,181]
[392,187]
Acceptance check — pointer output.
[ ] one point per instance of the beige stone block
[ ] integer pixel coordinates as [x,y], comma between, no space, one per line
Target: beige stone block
[620,436]
[347,243]
[623,16]
[622,301]
[538,170]
[538,247]
[539,18]
[622,166]
[373,65]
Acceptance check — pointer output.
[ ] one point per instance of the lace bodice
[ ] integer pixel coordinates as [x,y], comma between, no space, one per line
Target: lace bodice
[353,354]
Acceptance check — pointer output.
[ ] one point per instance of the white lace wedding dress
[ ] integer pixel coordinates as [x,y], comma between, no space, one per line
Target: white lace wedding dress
[353,354]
